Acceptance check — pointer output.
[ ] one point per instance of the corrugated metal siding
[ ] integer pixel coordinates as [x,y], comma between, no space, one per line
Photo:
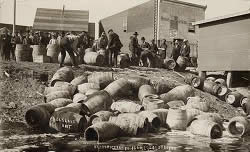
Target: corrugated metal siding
[53,20]
[225,45]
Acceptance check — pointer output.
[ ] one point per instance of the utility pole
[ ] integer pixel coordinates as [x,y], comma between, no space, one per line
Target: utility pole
[14,20]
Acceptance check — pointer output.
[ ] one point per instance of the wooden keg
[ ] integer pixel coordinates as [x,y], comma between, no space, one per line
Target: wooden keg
[94,58]
[177,119]
[53,52]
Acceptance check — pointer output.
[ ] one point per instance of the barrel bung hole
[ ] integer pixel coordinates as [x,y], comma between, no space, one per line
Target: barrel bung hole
[91,134]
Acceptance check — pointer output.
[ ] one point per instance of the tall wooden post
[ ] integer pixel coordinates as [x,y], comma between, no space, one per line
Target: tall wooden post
[14,19]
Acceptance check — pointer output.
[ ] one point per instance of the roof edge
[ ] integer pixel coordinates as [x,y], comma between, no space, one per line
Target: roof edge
[187,3]
[222,17]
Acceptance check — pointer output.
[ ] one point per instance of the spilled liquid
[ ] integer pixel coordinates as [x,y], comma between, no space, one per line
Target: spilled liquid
[18,137]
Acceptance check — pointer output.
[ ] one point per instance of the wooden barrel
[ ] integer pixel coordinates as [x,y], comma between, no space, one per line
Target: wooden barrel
[79,80]
[70,89]
[145,90]
[191,114]
[60,102]
[119,87]
[63,74]
[245,103]
[175,104]
[91,91]
[100,116]
[126,107]
[94,58]
[39,50]
[163,85]
[193,80]
[98,101]
[89,50]
[177,119]
[197,103]
[234,98]
[131,124]
[38,116]
[169,63]
[221,82]
[102,131]
[223,93]
[101,78]
[79,98]
[67,122]
[211,87]
[182,63]
[211,79]
[206,128]
[137,81]
[178,93]
[123,60]
[53,52]
[63,84]
[58,94]
[153,102]
[162,115]
[215,117]
[23,53]
[153,119]
[105,54]
[238,126]
[83,88]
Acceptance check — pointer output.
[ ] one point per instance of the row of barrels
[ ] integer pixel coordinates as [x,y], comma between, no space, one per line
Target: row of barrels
[94,105]
[219,88]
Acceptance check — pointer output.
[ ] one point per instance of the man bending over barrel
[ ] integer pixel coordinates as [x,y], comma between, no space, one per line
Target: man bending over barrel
[65,45]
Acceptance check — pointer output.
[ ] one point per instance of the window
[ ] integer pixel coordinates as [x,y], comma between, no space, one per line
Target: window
[191,28]
[125,24]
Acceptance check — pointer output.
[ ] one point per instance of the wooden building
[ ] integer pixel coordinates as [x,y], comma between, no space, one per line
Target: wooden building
[63,20]
[224,44]
[156,19]
[19,28]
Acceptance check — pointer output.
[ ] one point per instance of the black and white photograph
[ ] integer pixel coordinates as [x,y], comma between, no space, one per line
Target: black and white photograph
[124,75]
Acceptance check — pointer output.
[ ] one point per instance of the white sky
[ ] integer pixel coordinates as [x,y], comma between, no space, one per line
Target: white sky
[102,8]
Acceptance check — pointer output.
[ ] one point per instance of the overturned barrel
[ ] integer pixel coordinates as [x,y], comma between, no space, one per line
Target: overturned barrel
[238,126]
[131,124]
[126,107]
[101,78]
[79,98]
[178,93]
[175,104]
[69,88]
[63,74]
[177,119]
[83,88]
[98,101]
[137,81]
[206,128]
[145,90]
[163,85]
[94,58]
[57,94]
[169,63]
[101,116]
[79,80]
[162,115]
[193,80]
[152,102]
[234,98]
[211,87]
[182,63]
[197,103]
[102,131]
[153,119]
[119,87]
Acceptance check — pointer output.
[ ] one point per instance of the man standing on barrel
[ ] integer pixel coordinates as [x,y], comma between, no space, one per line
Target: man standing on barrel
[114,47]
[64,45]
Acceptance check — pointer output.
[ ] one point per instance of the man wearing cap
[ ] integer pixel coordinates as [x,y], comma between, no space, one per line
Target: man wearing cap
[102,42]
[134,48]
[114,47]
[176,50]
[5,45]
[65,45]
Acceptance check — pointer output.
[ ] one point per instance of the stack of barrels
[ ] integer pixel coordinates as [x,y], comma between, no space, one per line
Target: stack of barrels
[94,104]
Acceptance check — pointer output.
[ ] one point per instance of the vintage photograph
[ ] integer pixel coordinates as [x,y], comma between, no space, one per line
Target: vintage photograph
[124,75]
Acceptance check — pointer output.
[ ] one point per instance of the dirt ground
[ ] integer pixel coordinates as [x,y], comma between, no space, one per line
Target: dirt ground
[21,86]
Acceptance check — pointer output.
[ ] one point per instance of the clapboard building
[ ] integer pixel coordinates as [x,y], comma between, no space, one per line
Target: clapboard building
[63,20]
[169,19]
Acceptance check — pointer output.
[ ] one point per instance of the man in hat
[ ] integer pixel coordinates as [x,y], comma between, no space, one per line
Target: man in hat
[102,42]
[5,44]
[176,50]
[114,47]
[134,48]
[145,46]
[65,45]
[185,49]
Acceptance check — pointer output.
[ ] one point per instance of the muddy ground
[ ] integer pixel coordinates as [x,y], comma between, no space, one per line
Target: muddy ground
[23,83]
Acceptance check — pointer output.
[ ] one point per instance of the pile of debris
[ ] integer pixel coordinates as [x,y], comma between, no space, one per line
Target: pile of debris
[98,106]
